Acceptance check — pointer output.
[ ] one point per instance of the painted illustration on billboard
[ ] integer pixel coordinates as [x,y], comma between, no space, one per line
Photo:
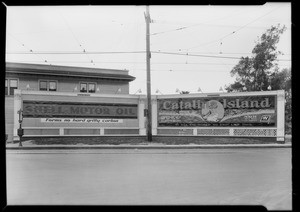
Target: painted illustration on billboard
[44,109]
[245,111]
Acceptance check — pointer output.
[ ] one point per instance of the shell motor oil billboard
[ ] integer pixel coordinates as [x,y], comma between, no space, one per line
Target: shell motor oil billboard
[223,111]
[48,109]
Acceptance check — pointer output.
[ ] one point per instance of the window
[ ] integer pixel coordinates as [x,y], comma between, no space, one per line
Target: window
[46,85]
[83,87]
[10,86]
[92,87]
[52,86]
[87,87]
[13,84]
[43,85]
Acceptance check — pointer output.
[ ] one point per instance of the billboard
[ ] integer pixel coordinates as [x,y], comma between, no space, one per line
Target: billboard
[45,109]
[221,111]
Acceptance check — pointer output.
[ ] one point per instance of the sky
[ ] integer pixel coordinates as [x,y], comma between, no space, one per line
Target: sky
[191,47]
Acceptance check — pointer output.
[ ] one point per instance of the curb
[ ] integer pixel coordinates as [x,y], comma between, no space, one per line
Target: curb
[152,146]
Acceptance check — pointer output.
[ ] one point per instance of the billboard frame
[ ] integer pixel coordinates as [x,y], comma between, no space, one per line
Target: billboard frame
[239,131]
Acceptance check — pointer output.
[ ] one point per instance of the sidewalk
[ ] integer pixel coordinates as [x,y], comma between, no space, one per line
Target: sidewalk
[29,145]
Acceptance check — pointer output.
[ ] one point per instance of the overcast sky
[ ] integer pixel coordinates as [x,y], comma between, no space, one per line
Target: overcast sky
[116,35]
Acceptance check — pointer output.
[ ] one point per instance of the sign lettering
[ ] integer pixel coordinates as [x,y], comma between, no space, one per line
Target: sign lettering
[79,120]
[39,109]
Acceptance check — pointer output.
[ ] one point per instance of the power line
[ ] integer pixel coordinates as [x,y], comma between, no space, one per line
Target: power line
[114,62]
[76,52]
[133,52]
[76,38]
[194,55]
[236,30]
[30,51]
[171,70]
[203,23]
[198,55]
[125,52]
[129,62]
[176,70]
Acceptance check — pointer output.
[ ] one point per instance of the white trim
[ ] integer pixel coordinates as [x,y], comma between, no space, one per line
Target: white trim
[31,128]
[57,135]
[17,106]
[231,131]
[195,132]
[154,117]
[280,115]
[81,135]
[54,93]
[233,128]
[258,136]
[62,130]
[101,131]
[200,95]
[141,118]
[117,135]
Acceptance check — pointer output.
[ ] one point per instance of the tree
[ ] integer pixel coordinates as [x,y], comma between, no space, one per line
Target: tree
[260,71]
[281,80]
[254,72]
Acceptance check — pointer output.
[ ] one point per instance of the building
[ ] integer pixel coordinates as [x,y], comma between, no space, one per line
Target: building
[52,79]
[59,101]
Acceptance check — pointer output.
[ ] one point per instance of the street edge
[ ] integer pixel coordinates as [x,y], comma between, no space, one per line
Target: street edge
[149,146]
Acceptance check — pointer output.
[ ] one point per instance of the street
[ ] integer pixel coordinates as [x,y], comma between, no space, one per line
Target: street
[250,176]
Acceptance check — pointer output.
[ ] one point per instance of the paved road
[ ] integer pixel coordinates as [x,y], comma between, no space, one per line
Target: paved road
[146,176]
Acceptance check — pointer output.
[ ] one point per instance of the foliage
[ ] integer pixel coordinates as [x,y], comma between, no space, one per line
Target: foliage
[184,92]
[254,72]
[260,71]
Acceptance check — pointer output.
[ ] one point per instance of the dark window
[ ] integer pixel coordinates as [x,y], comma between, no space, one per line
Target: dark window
[92,87]
[88,87]
[46,85]
[83,87]
[52,86]
[43,86]
[13,84]
[10,86]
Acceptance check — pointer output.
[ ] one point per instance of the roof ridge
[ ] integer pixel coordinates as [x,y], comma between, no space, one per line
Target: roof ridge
[59,66]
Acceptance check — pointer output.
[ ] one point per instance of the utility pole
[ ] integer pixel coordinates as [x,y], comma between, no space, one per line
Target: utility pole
[148,56]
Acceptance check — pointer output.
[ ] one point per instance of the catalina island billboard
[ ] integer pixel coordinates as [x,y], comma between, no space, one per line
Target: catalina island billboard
[225,111]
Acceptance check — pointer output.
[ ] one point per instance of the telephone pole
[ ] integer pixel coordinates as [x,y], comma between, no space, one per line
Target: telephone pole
[148,56]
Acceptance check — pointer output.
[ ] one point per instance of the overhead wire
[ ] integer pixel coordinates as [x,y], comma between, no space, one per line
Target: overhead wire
[240,28]
[86,52]
[188,54]
[180,70]
[122,52]
[158,52]
[127,62]
[83,49]
[194,25]
[155,52]
[30,51]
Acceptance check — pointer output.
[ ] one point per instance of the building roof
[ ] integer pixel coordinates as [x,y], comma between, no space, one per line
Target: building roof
[68,71]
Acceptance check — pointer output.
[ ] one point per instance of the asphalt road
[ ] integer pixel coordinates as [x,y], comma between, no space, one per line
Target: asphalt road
[150,177]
